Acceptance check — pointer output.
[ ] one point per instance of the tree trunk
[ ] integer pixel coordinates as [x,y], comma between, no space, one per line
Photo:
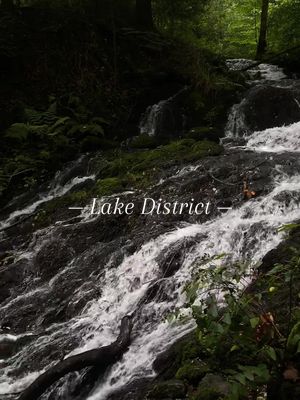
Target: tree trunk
[100,358]
[262,41]
[144,15]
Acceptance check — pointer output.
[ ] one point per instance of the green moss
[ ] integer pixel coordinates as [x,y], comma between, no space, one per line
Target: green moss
[170,154]
[205,148]
[192,372]
[119,164]
[44,215]
[118,170]
[108,186]
[138,180]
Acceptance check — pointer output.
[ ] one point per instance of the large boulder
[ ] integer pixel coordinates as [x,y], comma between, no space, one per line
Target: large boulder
[269,107]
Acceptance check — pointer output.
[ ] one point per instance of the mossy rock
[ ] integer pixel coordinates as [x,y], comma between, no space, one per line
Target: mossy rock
[108,186]
[45,213]
[173,389]
[212,387]
[138,180]
[144,166]
[192,372]
[183,352]
[190,350]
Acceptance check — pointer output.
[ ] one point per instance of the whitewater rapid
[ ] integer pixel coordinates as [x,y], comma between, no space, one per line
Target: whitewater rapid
[243,235]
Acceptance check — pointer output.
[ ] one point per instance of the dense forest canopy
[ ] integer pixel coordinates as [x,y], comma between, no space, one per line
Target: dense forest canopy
[231,27]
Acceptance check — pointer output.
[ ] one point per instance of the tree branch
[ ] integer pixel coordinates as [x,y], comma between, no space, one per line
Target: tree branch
[102,358]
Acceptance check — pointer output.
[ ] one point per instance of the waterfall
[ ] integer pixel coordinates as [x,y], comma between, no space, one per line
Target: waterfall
[62,183]
[263,78]
[152,119]
[164,118]
[107,280]
[236,126]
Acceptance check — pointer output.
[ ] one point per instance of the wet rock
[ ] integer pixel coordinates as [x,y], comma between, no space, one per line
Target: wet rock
[283,253]
[85,185]
[77,168]
[173,389]
[53,256]
[167,363]
[269,106]
[136,390]
[165,119]
[11,276]
[172,261]
[192,372]
[7,345]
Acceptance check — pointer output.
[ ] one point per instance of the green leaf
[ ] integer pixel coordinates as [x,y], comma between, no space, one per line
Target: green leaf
[100,121]
[18,131]
[271,352]
[262,371]
[216,327]
[254,322]
[213,310]
[227,318]
[241,378]
[60,122]
[248,372]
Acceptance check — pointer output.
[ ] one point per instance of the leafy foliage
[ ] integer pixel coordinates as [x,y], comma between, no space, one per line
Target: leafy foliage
[242,335]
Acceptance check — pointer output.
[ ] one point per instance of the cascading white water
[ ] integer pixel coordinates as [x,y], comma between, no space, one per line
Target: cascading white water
[163,118]
[57,191]
[272,75]
[243,234]
[228,234]
[151,122]
[258,73]
[276,140]
[236,125]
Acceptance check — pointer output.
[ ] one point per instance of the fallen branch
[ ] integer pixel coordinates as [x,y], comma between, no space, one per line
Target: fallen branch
[101,358]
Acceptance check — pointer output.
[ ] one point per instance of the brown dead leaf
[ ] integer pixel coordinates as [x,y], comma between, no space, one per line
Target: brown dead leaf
[291,374]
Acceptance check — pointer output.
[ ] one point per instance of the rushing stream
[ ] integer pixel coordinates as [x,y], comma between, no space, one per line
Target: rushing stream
[80,305]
